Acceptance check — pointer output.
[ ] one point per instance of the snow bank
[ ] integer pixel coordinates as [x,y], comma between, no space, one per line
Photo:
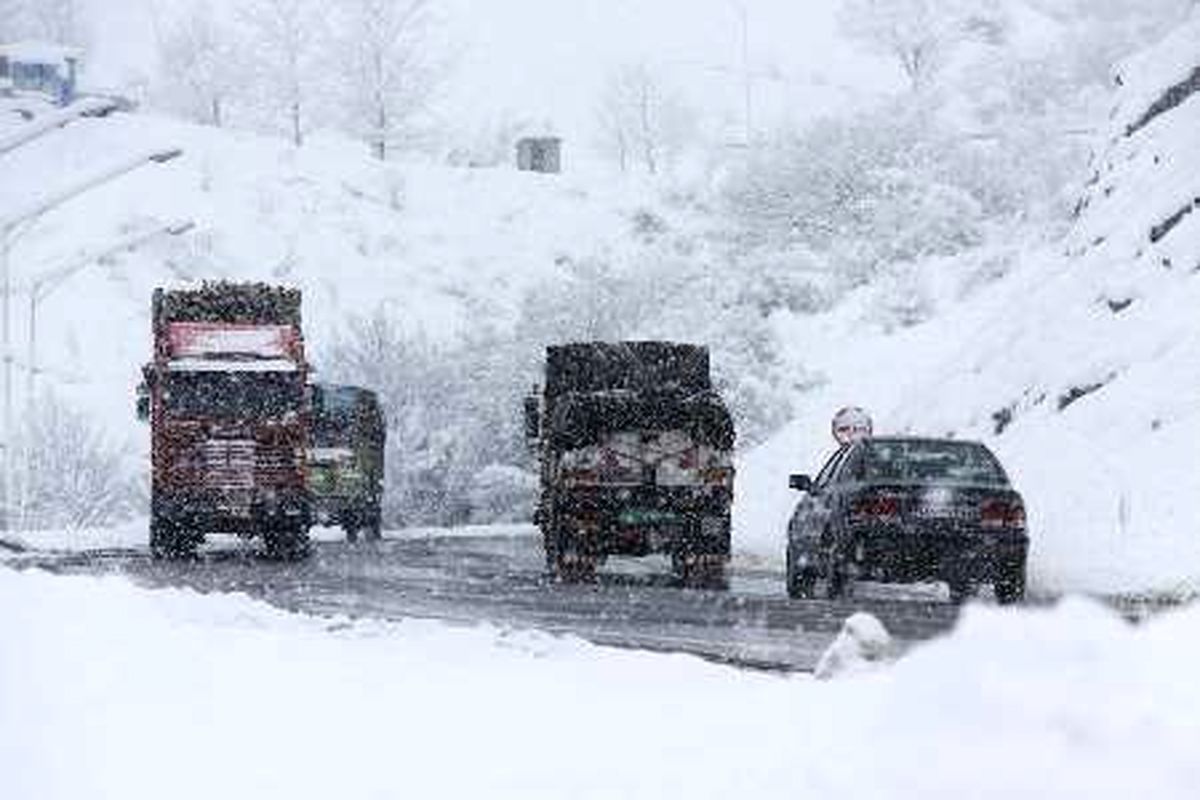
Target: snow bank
[113,691]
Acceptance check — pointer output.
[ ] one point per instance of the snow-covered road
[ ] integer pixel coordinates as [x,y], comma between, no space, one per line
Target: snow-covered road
[498,577]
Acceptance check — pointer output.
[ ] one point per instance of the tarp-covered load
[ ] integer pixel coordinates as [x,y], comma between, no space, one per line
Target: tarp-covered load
[597,387]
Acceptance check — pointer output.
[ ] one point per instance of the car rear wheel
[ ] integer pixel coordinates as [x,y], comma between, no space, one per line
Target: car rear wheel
[961,590]
[801,579]
[1009,586]
[837,583]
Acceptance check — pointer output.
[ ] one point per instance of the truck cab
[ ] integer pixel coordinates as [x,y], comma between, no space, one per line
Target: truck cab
[346,458]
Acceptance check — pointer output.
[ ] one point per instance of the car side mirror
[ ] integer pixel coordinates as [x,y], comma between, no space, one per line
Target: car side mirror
[801,483]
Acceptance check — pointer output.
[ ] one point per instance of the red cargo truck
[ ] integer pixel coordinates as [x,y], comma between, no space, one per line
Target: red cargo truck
[226,401]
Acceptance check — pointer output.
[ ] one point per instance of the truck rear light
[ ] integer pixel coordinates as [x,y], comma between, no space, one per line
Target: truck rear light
[580,476]
[1002,514]
[717,476]
[876,507]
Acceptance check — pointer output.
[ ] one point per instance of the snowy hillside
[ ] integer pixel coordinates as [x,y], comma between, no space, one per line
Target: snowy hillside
[1079,367]
[438,249]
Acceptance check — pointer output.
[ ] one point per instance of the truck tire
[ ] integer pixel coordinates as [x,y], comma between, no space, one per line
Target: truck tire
[574,568]
[169,540]
[287,542]
[700,570]
[373,529]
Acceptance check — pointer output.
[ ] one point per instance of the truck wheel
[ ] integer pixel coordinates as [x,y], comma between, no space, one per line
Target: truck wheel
[169,540]
[575,568]
[287,542]
[373,532]
[700,570]
[351,531]
[1009,587]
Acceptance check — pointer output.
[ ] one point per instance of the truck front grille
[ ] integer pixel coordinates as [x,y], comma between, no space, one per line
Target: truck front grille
[229,463]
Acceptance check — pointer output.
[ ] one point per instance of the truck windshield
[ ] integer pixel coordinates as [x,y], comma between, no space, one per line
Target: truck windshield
[334,415]
[236,395]
[932,462]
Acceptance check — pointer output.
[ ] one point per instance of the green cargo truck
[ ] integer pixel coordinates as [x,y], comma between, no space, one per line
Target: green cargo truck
[345,462]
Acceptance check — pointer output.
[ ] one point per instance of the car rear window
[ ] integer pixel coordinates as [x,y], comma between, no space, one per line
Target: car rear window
[932,462]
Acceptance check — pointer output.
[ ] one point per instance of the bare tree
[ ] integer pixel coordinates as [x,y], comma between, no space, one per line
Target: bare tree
[642,122]
[392,74]
[920,34]
[199,64]
[285,42]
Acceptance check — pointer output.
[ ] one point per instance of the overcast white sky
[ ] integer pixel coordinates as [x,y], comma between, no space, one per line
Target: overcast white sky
[546,59]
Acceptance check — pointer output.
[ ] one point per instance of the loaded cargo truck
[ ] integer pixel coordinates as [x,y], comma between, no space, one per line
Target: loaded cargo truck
[228,411]
[636,457]
[345,459]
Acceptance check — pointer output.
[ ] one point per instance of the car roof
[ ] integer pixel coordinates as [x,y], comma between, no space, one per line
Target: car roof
[922,440]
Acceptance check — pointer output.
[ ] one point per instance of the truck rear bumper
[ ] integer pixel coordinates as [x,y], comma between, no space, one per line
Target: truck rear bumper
[617,533]
[241,512]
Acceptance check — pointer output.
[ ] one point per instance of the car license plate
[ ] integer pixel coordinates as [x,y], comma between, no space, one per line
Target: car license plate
[944,512]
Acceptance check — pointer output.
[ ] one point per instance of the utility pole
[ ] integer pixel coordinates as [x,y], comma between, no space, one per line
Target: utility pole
[44,285]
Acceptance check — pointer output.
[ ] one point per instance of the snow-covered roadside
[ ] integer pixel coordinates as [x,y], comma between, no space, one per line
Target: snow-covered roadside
[109,690]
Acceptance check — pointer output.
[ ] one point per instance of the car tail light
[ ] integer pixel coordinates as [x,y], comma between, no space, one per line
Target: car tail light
[876,507]
[1002,514]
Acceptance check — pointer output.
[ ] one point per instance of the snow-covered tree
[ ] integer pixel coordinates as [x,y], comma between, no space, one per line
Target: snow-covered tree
[70,473]
[641,121]
[285,42]
[920,34]
[199,58]
[392,72]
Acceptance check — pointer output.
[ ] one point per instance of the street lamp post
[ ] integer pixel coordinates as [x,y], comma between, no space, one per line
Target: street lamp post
[7,225]
[45,285]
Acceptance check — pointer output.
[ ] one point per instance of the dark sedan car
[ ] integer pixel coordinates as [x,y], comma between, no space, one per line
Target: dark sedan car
[905,510]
